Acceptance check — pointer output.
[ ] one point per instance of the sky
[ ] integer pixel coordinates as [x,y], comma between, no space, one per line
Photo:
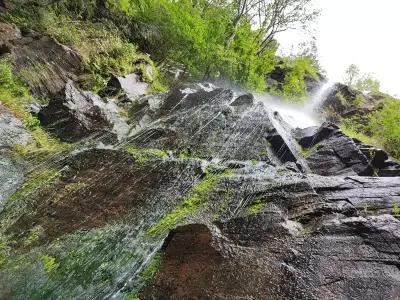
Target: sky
[361,32]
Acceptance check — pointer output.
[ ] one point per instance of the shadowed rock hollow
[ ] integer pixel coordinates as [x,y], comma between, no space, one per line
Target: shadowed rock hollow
[207,195]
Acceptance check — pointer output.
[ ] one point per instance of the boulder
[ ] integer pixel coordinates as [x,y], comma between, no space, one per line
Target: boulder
[73,115]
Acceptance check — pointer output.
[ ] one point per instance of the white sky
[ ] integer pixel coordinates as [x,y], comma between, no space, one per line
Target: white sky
[363,32]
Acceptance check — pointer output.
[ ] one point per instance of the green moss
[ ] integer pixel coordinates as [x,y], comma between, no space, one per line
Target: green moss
[256,207]
[197,198]
[33,236]
[35,180]
[15,96]
[145,155]
[396,209]
[148,273]
[184,155]
[342,99]
[353,133]
[358,100]
[254,162]
[307,152]
[134,296]
[49,263]
[67,190]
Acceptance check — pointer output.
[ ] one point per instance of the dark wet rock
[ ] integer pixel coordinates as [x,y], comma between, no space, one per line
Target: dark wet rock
[129,85]
[187,246]
[87,198]
[73,115]
[263,226]
[329,152]
[45,64]
[309,241]
[11,174]
[12,131]
[345,101]
[193,95]
[310,136]
[246,99]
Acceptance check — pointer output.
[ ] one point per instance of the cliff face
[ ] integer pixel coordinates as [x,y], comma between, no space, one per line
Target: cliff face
[200,193]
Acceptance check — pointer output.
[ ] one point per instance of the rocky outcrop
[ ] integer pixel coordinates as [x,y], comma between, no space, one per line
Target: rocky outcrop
[345,101]
[217,192]
[45,64]
[329,152]
[74,115]
[334,240]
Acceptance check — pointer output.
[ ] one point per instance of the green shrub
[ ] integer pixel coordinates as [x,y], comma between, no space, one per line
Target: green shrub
[384,125]
[296,69]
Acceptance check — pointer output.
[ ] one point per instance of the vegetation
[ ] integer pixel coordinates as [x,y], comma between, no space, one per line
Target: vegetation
[36,179]
[197,198]
[379,128]
[209,39]
[15,96]
[49,263]
[396,209]
[144,155]
[148,273]
[384,126]
[364,83]
[296,69]
[256,206]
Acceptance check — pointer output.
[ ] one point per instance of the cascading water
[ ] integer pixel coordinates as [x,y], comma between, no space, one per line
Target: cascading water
[298,115]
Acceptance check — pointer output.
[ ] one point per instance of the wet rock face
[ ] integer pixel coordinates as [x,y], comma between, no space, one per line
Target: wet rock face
[190,262]
[344,101]
[321,247]
[217,183]
[45,64]
[12,131]
[329,152]
[74,115]
[87,199]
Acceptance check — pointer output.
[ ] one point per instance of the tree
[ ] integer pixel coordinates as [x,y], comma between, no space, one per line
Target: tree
[351,74]
[364,83]
[367,83]
[270,17]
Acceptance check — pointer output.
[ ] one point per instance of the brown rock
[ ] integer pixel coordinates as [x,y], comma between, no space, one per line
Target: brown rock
[45,64]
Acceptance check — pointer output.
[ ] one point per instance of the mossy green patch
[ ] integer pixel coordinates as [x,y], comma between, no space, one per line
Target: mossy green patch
[15,96]
[49,263]
[256,206]
[35,180]
[184,154]
[33,236]
[148,273]
[307,152]
[145,155]
[197,198]
[68,189]
[396,209]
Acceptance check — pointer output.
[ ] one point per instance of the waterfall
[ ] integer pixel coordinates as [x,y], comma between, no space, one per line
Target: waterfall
[298,115]
[318,98]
